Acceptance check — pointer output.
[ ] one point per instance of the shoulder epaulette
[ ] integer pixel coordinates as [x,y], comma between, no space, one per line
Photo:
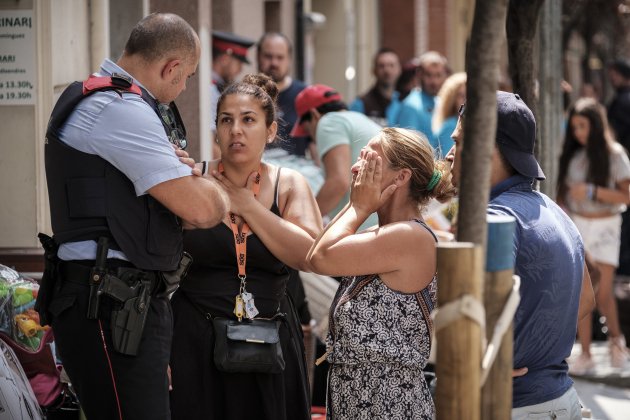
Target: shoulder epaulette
[115,81]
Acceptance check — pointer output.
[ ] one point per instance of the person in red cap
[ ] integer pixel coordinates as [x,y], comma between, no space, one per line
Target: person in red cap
[339,135]
[229,52]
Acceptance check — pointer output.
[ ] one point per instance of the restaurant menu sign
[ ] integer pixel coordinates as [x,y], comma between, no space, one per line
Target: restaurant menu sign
[17,57]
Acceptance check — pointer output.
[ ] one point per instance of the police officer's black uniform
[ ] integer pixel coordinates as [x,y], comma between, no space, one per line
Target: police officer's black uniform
[117,360]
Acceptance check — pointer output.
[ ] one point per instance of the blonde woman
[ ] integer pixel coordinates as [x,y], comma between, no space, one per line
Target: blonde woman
[449,98]
[380,326]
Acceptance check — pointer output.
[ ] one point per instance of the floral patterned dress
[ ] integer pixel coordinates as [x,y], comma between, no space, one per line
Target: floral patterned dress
[379,341]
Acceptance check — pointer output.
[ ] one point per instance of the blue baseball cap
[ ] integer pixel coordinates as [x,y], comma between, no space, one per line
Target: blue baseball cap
[516,134]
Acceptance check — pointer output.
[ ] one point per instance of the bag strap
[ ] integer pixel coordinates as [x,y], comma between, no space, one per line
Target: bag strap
[207,315]
[210,317]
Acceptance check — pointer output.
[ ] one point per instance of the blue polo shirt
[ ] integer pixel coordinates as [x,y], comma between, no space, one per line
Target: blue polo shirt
[125,131]
[416,112]
[549,258]
[442,141]
[391,112]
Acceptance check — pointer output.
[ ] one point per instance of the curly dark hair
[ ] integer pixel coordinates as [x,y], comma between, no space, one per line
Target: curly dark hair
[259,86]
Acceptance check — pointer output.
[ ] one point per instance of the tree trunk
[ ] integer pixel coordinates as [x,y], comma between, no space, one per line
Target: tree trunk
[482,64]
[551,96]
[522,26]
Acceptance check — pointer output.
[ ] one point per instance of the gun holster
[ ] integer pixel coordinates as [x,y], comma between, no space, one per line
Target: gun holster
[131,289]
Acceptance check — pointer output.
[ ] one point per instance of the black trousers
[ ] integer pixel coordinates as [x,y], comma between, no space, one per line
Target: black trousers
[111,385]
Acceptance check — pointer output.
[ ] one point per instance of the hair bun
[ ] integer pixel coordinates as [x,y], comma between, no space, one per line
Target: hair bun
[264,82]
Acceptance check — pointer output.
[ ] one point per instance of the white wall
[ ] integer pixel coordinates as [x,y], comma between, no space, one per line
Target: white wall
[247,21]
[18,211]
[332,50]
[62,56]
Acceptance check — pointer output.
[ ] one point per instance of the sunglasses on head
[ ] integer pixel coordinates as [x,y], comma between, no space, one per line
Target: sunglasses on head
[173,124]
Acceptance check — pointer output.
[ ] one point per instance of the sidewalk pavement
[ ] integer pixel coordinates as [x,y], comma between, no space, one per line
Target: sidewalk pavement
[606,390]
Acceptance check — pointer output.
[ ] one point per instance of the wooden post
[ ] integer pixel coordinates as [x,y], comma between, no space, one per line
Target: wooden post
[460,271]
[496,393]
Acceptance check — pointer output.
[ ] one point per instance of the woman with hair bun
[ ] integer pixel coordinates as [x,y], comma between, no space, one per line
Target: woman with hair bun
[272,223]
[380,327]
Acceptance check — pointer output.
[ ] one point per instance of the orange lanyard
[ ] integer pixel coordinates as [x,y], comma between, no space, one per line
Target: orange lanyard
[240,238]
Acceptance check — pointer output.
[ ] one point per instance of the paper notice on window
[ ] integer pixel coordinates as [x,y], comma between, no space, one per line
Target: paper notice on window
[17,57]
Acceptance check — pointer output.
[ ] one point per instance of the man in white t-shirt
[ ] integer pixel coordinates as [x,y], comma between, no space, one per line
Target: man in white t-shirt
[339,135]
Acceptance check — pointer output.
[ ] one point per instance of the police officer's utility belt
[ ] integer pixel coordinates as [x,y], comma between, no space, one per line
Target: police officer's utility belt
[80,272]
[131,290]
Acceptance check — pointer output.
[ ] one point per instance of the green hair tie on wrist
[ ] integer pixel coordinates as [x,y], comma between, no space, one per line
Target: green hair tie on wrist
[435,178]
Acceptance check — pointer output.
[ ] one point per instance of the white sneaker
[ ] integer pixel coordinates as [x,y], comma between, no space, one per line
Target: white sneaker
[618,351]
[582,366]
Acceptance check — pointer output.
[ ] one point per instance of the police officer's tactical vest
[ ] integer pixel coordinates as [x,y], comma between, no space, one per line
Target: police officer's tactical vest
[90,198]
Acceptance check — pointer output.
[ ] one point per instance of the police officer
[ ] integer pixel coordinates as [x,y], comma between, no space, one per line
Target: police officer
[119,196]
[229,52]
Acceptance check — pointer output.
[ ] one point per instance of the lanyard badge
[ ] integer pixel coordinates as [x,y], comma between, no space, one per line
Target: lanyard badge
[244,301]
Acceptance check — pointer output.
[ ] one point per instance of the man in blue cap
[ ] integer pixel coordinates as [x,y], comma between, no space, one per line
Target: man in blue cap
[549,257]
[229,52]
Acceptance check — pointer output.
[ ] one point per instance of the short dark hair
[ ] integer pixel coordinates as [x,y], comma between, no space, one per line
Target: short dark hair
[267,35]
[160,34]
[384,50]
[333,106]
[506,163]
[621,66]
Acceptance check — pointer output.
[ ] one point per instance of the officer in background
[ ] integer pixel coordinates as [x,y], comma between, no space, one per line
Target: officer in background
[229,52]
[119,197]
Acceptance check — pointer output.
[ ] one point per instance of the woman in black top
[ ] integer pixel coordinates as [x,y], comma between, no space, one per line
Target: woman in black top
[279,211]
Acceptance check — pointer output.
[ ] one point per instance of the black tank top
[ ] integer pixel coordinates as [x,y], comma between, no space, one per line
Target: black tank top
[213,282]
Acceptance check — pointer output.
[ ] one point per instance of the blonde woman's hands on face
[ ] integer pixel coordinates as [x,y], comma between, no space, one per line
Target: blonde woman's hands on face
[241,198]
[366,195]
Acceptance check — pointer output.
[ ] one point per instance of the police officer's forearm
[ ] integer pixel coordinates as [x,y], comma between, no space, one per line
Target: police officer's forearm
[200,202]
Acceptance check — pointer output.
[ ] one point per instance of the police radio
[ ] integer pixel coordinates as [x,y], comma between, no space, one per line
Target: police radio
[173,124]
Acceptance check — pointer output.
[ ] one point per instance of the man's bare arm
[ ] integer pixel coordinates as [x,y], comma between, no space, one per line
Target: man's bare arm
[199,201]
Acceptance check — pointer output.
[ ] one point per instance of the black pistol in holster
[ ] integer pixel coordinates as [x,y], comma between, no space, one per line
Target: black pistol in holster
[49,278]
[130,289]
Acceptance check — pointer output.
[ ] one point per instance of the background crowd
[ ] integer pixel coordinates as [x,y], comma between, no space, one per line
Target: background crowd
[300,183]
